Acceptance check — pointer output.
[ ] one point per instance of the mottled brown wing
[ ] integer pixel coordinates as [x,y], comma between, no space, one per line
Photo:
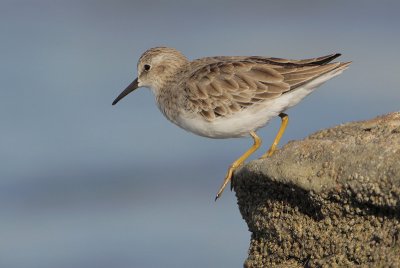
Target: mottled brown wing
[223,88]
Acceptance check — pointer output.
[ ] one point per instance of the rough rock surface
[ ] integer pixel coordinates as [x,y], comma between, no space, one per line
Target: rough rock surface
[330,200]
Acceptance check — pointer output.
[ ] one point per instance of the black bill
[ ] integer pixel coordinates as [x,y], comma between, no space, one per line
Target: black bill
[134,85]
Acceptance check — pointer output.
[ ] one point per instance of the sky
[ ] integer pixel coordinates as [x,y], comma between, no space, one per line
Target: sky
[87,184]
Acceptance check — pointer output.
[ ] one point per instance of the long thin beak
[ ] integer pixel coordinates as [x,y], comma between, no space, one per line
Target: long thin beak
[134,85]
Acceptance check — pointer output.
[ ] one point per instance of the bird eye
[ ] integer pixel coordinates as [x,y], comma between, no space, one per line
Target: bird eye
[146,67]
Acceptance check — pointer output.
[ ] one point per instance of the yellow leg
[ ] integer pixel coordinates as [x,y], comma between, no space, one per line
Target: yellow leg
[238,162]
[272,149]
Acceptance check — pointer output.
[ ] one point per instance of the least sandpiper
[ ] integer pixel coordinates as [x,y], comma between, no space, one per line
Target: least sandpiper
[229,97]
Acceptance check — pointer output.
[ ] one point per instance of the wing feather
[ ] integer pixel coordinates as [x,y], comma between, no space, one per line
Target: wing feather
[221,86]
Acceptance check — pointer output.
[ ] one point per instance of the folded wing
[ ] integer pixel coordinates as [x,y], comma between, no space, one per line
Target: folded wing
[224,87]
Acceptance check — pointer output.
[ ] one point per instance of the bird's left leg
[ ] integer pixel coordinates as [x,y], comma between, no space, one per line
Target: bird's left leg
[285,119]
[239,161]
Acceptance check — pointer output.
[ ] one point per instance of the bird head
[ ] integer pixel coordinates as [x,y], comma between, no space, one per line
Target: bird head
[156,68]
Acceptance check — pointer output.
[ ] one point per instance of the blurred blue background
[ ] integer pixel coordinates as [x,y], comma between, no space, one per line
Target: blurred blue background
[86,184]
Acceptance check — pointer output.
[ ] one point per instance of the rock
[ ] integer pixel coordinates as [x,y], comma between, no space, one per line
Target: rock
[330,200]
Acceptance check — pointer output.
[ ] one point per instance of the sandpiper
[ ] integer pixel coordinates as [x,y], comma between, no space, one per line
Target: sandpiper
[229,97]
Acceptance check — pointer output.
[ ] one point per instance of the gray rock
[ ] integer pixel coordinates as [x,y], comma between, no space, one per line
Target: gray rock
[330,200]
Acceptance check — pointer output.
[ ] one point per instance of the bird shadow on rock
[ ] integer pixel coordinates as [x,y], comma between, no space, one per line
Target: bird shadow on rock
[254,191]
